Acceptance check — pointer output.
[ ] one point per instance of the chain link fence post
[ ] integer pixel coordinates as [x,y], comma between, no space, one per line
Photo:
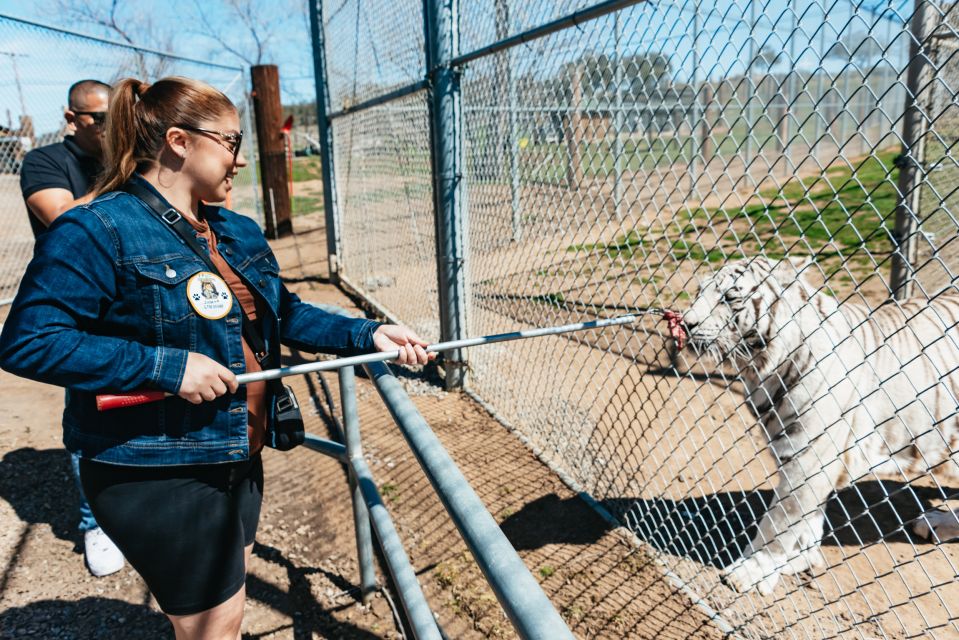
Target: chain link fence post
[508,120]
[911,170]
[446,133]
[251,156]
[325,134]
[617,119]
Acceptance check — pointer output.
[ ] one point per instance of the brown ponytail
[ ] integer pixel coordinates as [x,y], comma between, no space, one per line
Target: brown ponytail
[140,115]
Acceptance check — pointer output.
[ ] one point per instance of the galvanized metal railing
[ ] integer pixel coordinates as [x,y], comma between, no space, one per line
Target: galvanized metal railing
[520,595]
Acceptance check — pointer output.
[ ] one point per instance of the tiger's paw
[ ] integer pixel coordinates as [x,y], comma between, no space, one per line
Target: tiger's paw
[755,572]
[811,560]
[937,526]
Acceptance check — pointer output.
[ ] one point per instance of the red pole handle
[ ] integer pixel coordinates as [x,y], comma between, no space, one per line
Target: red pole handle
[108,401]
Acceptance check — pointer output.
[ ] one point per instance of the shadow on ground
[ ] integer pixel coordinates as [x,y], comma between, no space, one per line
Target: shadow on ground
[716,529]
[39,485]
[85,619]
[299,604]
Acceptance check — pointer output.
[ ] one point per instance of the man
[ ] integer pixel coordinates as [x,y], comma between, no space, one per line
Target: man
[60,176]
[53,180]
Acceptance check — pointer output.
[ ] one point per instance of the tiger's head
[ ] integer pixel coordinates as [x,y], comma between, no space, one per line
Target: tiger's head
[745,307]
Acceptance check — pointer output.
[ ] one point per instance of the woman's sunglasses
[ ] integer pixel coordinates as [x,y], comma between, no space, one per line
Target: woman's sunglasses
[233,139]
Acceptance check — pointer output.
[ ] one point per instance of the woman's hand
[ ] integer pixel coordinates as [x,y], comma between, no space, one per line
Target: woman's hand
[390,337]
[205,379]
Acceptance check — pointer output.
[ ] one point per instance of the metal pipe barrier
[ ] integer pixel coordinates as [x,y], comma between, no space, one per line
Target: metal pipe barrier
[368,509]
[528,608]
[522,598]
[518,592]
[354,453]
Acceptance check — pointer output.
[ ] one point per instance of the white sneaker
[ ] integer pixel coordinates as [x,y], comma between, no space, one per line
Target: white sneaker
[103,557]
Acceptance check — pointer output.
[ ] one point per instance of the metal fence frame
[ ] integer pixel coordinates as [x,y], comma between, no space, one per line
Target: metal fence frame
[796,114]
[528,608]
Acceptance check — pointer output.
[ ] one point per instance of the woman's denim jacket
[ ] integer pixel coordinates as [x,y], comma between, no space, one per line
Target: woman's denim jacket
[103,308]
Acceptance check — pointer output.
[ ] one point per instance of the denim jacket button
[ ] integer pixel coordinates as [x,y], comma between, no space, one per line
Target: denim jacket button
[170,273]
[262,282]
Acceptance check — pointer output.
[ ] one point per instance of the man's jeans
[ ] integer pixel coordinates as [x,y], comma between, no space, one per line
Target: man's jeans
[87,521]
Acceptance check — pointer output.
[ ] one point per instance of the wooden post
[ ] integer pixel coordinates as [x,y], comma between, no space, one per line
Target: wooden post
[274,176]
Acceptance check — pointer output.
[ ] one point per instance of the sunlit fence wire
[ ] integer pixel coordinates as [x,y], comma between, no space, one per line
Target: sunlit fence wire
[627,159]
[37,66]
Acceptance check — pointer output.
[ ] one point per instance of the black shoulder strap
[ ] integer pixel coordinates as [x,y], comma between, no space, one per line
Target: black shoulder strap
[175,221]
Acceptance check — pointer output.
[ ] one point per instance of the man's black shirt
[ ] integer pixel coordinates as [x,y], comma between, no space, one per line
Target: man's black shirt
[62,165]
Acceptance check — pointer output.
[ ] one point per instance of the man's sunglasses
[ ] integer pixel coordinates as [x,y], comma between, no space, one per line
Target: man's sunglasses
[98,117]
[233,139]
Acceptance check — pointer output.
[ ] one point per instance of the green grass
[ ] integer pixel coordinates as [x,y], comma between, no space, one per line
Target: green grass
[549,162]
[389,491]
[307,168]
[683,250]
[850,209]
[303,205]
[842,218]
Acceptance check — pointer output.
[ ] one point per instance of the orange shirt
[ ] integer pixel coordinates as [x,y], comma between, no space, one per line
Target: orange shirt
[255,391]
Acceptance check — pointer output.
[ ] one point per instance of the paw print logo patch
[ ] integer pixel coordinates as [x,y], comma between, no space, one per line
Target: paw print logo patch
[209,295]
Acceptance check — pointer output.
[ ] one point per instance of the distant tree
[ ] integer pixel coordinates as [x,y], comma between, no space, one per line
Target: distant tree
[249,29]
[232,31]
[647,73]
[765,59]
[858,47]
[642,74]
[129,20]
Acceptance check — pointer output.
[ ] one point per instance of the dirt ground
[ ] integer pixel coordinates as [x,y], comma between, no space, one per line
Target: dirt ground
[303,578]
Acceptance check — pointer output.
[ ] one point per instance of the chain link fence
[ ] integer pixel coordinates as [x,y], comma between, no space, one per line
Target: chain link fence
[38,64]
[747,163]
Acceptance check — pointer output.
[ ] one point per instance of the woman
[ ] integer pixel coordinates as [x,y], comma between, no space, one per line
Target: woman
[112,301]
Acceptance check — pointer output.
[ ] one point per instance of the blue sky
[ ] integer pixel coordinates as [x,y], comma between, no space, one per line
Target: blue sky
[379,42]
[47,63]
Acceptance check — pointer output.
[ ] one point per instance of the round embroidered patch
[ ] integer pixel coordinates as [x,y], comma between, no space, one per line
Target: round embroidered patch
[209,295]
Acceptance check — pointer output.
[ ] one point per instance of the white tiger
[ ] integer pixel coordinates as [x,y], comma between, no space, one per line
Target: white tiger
[844,393]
